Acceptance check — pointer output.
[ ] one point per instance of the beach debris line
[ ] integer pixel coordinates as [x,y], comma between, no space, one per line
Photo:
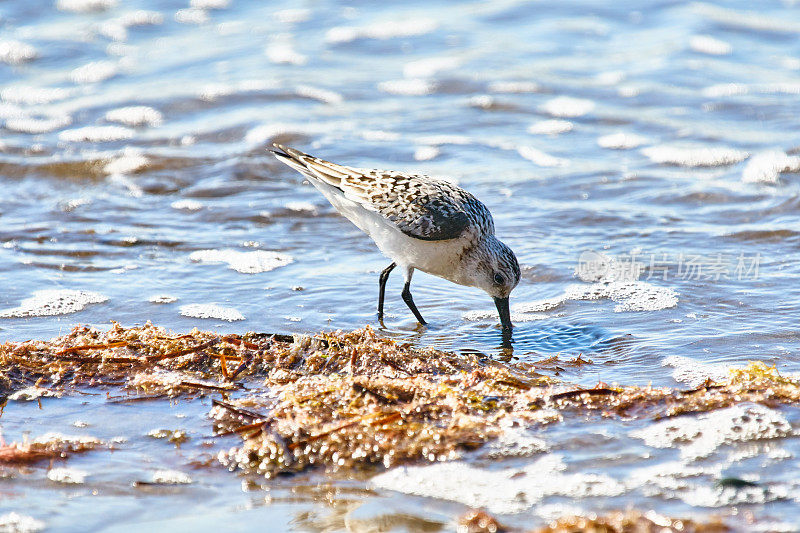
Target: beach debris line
[478,521]
[350,400]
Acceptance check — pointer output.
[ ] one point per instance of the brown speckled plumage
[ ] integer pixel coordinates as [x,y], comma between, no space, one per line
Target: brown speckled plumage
[420,206]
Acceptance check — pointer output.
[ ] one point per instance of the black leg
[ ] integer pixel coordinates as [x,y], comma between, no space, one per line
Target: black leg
[410,302]
[384,277]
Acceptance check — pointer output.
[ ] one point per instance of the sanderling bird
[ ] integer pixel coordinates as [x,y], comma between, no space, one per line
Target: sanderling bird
[419,223]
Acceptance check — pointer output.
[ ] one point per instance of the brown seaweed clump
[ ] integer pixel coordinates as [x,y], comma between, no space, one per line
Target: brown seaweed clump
[348,400]
[631,521]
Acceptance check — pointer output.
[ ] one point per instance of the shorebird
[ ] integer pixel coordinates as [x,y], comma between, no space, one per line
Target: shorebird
[419,223]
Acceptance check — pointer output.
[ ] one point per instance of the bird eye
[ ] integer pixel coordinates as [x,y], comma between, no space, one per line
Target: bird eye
[498,279]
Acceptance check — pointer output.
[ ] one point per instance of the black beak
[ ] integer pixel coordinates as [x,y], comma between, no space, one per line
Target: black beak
[505,314]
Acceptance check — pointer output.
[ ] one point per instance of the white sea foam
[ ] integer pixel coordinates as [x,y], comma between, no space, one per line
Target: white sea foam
[629,295]
[66,475]
[130,161]
[34,126]
[261,134]
[700,436]
[514,87]
[282,52]
[430,66]
[20,94]
[550,127]
[766,167]
[218,312]
[381,30]
[16,52]
[746,19]
[426,153]
[94,72]
[96,134]
[540,158]
[568,107]
[209,4]
[694,156]
[51,302]
[705,44]
[694,372]
[187,205]
[19,523]
[192,16]
[245,262]
[323,95]
[138,115]
[621,141]
[84,6]
[408,87]
[171,477]
[511,490]
[292,16]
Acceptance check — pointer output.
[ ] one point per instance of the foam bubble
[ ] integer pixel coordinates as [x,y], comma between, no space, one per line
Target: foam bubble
[540,158]
[766,167]
[16,52]
[511,490]
[96,134]
[514,87]
[211,311]
[66,475]
[426,153]
[725,89]
[550,127]
[292,16]
[85,6]
[705,44]
[694,156]
[283,53]
[192,16]
[20,523]
[408,87]
[138,115]
[381,30]
[621,141]
[425,68]
[171,477]
[323,95]
[187,204]
[629,295]
[245,262]
[702,435]
[52,302]
[694,372]
[567,107]
[36,126]
[130,161]
[94,72]
[20,94]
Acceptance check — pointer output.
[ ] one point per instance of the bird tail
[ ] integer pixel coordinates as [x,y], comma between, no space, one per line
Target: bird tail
[310,166]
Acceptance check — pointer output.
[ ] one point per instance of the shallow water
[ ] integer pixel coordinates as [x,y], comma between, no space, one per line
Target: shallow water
[643,164]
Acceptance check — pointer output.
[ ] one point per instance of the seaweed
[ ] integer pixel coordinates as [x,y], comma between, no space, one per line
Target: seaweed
[349,400]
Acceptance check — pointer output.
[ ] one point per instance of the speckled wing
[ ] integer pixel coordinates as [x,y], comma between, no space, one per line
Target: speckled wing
[420,206]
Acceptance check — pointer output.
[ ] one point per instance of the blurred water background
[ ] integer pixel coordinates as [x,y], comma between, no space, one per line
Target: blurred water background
[641,158]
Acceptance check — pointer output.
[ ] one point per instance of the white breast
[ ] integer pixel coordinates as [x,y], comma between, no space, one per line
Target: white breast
[440,258]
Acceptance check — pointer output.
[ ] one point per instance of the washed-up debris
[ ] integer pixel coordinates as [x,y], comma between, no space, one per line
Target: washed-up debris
[350,400]
[632,521]
[45,447]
